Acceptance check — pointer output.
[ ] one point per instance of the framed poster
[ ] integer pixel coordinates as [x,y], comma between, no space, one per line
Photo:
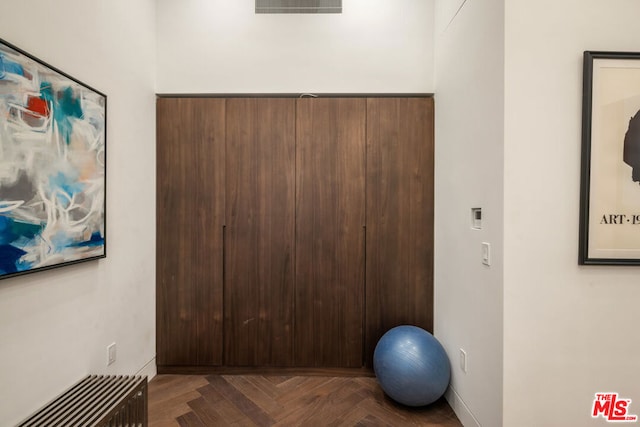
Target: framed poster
[52,166]
[610,179]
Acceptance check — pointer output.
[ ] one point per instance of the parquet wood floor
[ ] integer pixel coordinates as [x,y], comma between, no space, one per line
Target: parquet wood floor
[271,400]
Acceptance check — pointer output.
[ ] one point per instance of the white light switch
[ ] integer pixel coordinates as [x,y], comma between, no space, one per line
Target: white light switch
[463,361]
[486,253]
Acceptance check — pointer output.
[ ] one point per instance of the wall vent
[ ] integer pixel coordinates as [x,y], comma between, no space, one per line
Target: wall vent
[298,6]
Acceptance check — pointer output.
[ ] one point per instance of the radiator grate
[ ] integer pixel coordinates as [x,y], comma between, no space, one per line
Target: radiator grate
[97,400]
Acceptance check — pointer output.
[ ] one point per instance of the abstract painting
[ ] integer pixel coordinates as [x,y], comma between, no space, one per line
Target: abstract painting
[52,166]
[610,182]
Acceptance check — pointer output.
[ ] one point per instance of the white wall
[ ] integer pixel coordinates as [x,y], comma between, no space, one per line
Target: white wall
[55,325]
[221,46]
[569,331]
[469,173]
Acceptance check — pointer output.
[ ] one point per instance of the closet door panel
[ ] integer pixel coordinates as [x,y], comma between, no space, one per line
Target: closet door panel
[190,214]
[259,237]
[330,214]
[399,215]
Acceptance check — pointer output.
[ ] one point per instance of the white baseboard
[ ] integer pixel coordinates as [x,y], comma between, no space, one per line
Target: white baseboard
[149,370]
[460,408]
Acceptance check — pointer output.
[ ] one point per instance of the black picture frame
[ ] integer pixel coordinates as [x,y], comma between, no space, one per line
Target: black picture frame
[610,175]
[53,176]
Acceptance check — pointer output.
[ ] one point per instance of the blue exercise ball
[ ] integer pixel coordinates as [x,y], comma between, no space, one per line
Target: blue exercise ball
[411,366]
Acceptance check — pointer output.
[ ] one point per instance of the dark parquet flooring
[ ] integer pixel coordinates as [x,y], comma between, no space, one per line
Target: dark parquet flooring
[271,400]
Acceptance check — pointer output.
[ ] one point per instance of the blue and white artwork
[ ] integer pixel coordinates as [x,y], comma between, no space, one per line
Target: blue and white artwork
[52,166]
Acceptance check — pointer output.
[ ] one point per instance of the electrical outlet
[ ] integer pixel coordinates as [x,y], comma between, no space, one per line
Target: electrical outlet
[463,360]
[111,354]
[476,218]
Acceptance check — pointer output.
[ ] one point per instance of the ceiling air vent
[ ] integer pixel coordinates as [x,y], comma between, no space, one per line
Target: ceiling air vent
[298,6]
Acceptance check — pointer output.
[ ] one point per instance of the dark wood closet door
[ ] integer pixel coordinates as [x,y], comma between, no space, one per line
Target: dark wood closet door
[330,179]
[259,238]
[190,213]
[399,216]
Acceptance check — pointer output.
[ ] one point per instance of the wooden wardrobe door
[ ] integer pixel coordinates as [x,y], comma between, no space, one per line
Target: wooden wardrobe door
[190,214]
[259,237]
[399,216]
[330,214]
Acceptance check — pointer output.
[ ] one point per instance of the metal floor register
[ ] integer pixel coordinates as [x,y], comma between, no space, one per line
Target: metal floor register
[97,400]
